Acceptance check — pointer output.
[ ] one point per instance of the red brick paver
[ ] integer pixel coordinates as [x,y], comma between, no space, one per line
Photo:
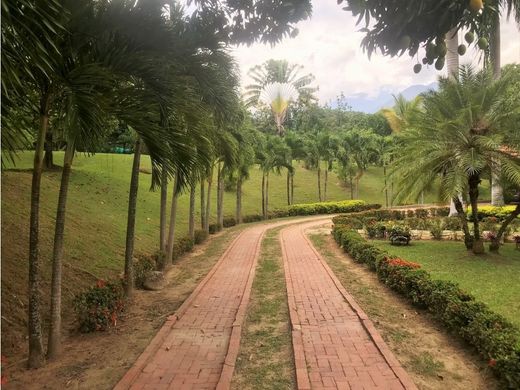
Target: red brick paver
[335,344]
[197,346]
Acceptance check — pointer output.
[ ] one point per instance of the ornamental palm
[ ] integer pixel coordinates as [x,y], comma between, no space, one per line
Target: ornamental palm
[460,135]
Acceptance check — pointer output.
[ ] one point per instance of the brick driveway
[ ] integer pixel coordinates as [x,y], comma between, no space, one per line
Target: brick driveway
[335,344]
[197,346]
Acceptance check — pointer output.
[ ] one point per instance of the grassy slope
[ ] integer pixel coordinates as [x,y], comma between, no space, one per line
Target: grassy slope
[96,218]
[491,278]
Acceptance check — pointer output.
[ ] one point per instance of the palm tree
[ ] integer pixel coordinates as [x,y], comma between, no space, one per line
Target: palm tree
[279,71]
[460,135]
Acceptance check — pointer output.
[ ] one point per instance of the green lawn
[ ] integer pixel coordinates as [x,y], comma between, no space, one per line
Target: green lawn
[493,279]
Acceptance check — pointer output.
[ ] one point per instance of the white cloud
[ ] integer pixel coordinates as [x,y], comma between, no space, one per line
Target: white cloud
[328,46]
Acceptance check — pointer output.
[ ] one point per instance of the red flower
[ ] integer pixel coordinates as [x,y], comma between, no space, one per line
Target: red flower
[403,263]
[492,363]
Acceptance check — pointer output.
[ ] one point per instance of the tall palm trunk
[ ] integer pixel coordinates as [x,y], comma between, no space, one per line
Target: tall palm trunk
[208,200]
[54,342]
[263,195]
[325,183]
[202,206]
[319,182]
[468,238]
[191,221]
[220,196]
[386,189]
[173,220]
[36,355]
[238,214]
[48,158]
[292,187]
[497,192]
[162,217]
[288,188]
[130,226]
[267,195]
[452,62]
[474,181]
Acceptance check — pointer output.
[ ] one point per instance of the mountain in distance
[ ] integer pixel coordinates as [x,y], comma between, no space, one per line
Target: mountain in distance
[370,104]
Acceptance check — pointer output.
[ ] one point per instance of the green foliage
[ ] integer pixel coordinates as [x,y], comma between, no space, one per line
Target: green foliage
[347,206]
[99,307]
[200,236]
[500,213]
[436,228]
[229,221]
[495,338]
[141,267]
[181,246]
[399,235]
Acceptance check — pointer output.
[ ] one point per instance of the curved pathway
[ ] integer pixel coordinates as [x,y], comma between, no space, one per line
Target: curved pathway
[335,344]
[198,345]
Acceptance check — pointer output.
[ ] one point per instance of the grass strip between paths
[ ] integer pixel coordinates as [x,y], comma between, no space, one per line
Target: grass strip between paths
[266,360]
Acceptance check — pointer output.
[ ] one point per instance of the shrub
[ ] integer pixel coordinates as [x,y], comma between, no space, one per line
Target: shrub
[376,230]
[422,213]
[496,339]
[500,213]
[436,229]
[214,228]
[252,218]
[99,307]
[229,221]
[452,223]
[182,246]
[440,211]
[399,235]
[347,206]
[200,236]
[141,267]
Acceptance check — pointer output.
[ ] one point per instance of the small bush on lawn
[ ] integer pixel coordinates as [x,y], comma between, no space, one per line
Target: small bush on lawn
[229,221]
[200,236]
[376,230]
[495,338]
[399,235]
[99,307]
[452,223]
[141,268]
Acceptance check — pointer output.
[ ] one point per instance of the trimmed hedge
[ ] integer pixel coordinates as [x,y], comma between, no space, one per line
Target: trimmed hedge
[500,213]
[495,338]
[347,206]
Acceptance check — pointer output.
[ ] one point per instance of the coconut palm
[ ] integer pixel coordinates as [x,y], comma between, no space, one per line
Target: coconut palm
[461,136]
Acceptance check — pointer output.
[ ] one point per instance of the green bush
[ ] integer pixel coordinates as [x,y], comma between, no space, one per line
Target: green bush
[229,221]
[200,236]
[495,338]
[399,235]
[213,228]
[99,307]
[347,206]
[500,213]
[436,228]
[452,223]
[182,246]
[252,218]
[141,267]
[376,230]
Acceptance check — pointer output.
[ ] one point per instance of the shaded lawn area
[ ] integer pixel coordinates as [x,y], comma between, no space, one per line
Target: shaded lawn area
[491,278]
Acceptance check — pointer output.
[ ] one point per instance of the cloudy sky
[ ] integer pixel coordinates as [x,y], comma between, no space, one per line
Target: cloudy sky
[328,45]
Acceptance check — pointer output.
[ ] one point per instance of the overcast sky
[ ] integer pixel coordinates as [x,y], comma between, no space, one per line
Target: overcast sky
[328,45]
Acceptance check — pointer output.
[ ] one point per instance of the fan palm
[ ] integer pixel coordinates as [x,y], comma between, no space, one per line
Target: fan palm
[460,135]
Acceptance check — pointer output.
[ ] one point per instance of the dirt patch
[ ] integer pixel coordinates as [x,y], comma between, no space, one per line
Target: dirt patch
[433,358]
[99,360]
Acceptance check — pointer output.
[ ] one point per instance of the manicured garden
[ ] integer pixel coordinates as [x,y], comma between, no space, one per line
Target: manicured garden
[491,278]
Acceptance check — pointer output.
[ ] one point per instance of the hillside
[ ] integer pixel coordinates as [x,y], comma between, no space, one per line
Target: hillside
[96,222]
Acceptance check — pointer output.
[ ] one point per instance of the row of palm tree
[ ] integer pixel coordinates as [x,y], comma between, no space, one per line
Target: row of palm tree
[144,64]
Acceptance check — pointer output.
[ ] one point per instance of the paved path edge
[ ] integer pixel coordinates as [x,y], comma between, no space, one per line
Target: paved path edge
[401,374]
[128,378]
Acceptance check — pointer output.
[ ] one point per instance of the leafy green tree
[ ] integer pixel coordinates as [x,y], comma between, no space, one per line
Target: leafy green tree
[460,135]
